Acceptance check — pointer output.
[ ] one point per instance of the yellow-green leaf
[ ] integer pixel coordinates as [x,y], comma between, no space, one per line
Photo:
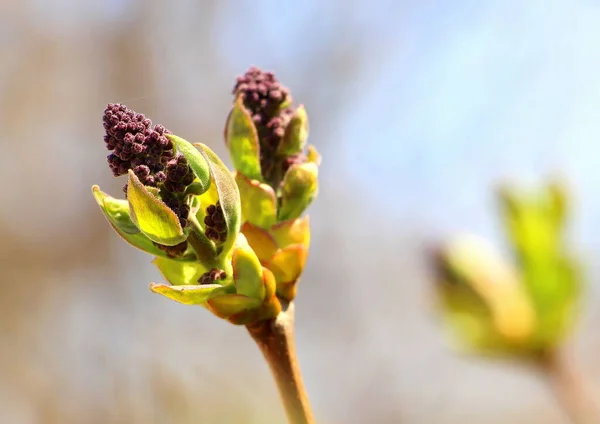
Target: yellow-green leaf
[296,133]
[299,188]
[116,212]
[259,204]
[230,304]
[292,231]
[287,264]
[188,295]
[242,139]
[247,271]
[260,241]
[179,273]
[155,219]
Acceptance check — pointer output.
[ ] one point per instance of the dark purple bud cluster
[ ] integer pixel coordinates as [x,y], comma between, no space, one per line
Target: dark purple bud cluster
[178,173]
[176,251]
[177,205]
[209,277]
[214,221]
[136,145]
[266,100]
[146,150]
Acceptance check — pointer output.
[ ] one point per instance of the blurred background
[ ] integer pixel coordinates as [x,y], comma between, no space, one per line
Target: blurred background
[419,109]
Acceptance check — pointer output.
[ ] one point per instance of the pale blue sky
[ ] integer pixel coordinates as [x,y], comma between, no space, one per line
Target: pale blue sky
[460,94]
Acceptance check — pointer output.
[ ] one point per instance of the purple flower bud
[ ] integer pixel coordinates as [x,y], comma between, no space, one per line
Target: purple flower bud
[266,99]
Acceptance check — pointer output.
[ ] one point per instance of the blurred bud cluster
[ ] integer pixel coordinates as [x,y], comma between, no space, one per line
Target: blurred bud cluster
[524,307]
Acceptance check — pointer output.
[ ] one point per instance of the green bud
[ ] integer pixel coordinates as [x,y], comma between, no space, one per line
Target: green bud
[298,189]
[195,160]
[296,134]
[155,219]
[259,204]
[242,140]
[116,211]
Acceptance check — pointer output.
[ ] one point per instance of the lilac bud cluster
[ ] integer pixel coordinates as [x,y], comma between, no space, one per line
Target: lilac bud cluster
[214,221]
[266,100]
[135,144]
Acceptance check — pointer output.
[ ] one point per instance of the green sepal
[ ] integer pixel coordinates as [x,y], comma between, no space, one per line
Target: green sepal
[229,196]
[247,270]
[296,133]
[298,189]
[179,273]
[242,140]
[230,304]
[196,161]
[259,203]
[189,295]
[116,211]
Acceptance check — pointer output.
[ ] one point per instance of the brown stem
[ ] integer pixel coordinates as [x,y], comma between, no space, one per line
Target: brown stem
[570,388]
[275,338]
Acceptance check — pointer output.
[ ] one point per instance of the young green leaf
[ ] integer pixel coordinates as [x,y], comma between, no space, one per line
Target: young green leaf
[188,295]
[287,264]
[259,204]
[179,273]
[230,304]
[155,219]
[116,211]
[296,133]
[242,139]
[299,188]
[247,270]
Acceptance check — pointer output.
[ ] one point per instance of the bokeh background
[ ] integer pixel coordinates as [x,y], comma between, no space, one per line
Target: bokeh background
[418,107]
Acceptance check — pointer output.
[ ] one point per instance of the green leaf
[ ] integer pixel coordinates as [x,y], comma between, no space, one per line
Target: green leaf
[195,160]
[179,273]
[116,211]
[298,189]
[155,219]
[229,196]
[247,270]
[188,295]
[231,304]
[242,140]
[296,134]
[259,204]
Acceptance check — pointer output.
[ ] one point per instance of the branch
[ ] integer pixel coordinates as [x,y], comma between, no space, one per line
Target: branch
[570,388]
[275,338]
